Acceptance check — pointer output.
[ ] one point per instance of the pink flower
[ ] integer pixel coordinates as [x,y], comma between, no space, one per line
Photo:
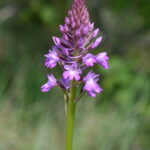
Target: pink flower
[91,85]
[72,72]
[89,60]
[51,58]
[49,84]
[102,59]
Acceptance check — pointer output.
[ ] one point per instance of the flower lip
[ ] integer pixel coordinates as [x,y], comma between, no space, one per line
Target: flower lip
[91,85]
[72,72]
[102,59]
[89,60]
[49,84]
[51,58]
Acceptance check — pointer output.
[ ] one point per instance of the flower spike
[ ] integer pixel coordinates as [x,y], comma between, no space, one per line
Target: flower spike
[72,51]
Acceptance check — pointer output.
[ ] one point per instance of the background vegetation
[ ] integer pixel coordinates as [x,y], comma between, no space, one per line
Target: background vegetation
[118,119]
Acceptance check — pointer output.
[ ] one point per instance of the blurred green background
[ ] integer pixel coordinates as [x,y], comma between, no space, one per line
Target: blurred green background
[118,119]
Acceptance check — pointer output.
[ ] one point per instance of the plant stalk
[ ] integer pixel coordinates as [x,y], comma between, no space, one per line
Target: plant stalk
[71,107]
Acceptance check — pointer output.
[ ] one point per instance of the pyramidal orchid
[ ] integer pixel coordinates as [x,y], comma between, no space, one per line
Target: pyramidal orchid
[73,53]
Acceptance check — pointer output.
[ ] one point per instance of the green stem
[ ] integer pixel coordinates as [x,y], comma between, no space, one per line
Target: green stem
[70,117]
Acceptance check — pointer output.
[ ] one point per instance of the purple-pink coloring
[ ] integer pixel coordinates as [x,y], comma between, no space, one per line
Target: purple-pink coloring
[73,50]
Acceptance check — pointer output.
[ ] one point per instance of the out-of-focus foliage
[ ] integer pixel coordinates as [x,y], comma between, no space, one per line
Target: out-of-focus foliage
[119,119]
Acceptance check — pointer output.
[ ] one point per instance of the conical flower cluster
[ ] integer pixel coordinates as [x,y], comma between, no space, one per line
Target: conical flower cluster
[72,51]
